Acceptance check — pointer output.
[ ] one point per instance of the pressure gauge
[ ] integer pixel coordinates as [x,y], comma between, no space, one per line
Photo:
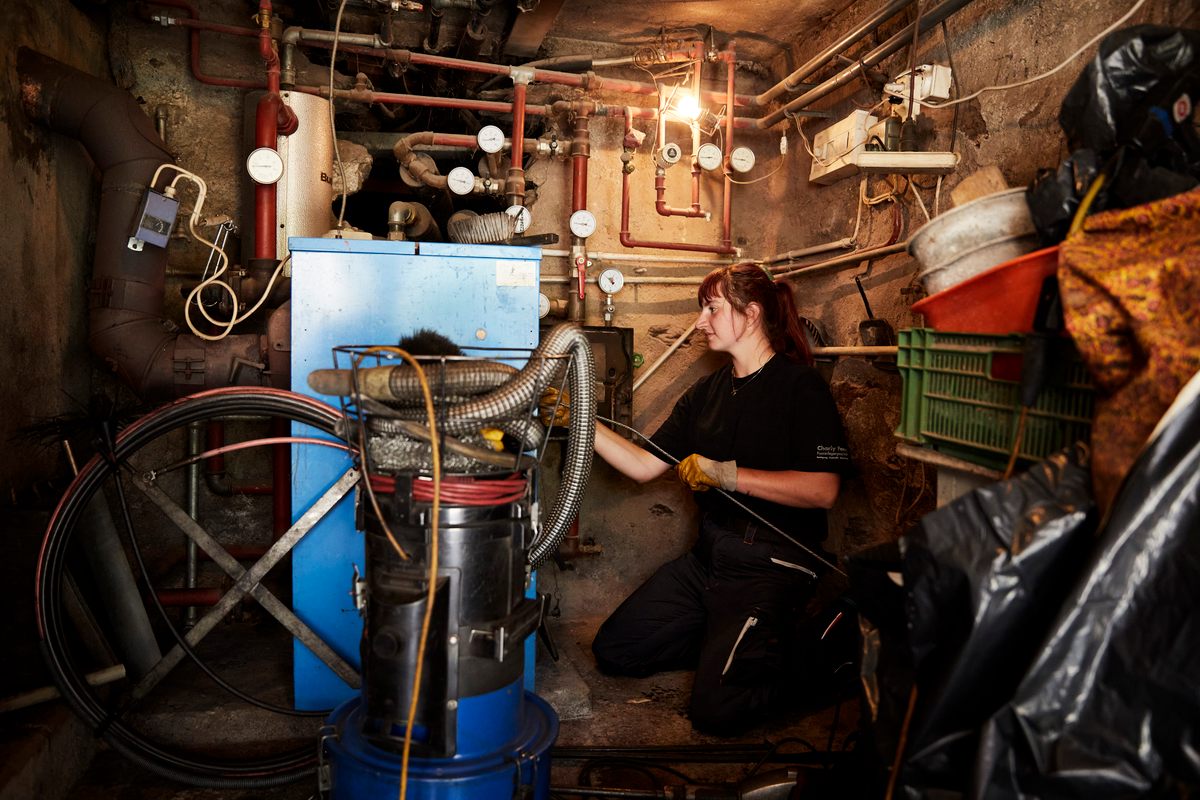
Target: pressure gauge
[523,215]
[264,165]
[583,223]
[610,281]
[668,154]
[460,181]
[490,139]
[742,159]
[709,156]
[543,306]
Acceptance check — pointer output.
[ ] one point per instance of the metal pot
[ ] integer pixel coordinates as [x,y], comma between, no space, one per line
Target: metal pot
[972,238]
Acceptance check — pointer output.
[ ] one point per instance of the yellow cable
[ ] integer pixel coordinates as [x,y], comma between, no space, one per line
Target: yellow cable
[433,547]
[1085,204]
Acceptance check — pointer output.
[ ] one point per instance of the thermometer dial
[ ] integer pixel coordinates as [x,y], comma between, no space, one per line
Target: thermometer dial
[610,281]
[583,223]
[490,139]
[741,159]
[264,165]
[460,181]
[523,215]
[709,156]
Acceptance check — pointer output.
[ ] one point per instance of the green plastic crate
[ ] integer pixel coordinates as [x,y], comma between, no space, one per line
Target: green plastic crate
[962,396]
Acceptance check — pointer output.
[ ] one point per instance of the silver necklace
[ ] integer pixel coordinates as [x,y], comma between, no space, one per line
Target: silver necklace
[734,388]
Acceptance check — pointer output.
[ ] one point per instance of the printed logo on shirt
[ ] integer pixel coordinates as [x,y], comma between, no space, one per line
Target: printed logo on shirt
[832,452]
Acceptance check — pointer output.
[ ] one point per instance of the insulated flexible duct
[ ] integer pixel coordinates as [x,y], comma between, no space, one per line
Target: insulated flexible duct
[126,326]
[400,384]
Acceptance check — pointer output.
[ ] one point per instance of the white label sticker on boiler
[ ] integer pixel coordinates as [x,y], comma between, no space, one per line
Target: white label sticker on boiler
[516,273]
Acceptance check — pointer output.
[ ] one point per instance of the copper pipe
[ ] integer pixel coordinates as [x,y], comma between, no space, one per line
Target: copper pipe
[588,81]
[727,200]
[581,151]
[515,186]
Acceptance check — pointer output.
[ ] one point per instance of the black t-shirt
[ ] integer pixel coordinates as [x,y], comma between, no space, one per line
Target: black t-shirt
[782,418]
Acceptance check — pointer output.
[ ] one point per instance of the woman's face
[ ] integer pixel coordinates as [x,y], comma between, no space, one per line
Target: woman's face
[721,323]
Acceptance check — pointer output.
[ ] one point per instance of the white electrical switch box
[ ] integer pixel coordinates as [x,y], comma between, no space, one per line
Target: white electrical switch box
[836,148]
[928,81]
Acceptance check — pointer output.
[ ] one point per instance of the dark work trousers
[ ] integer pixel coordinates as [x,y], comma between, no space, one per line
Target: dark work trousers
[726,608]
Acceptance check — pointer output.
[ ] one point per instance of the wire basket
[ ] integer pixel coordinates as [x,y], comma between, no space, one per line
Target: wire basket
[484,427]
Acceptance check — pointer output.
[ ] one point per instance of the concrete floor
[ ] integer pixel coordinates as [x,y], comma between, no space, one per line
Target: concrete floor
[594,710]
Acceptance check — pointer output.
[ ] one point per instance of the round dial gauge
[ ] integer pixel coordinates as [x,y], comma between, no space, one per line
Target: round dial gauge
[264,165]
[490,139]
[583,223]
[709,156]
[742,159]
[460,180]
[610,281]
[543,306]
[523,215]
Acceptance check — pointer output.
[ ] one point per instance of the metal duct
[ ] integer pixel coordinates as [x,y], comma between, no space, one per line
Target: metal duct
[126,324]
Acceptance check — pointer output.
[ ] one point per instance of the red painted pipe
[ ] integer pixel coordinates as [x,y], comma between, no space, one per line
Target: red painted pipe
[194,47]
[726,246]
[660,191]
[214,468]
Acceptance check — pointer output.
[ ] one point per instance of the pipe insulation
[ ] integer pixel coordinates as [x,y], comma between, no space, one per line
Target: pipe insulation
[126,326]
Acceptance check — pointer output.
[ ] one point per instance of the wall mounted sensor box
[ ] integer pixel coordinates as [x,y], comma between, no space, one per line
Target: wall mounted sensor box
[155,218]
[836,148]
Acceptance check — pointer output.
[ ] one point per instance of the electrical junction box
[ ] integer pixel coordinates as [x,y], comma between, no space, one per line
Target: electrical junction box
[155,218]
[928,81]
[836,148]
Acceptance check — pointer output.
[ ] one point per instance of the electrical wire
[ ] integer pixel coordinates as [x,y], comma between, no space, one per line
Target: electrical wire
[337,151]
[194,296]
[673,461]
[1136,7]
[436,458]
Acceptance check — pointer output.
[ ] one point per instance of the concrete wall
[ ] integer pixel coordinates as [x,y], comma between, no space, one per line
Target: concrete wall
[45,246]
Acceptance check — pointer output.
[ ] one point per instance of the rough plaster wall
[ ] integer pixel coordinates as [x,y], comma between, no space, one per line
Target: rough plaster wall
[639,527]
[45,244]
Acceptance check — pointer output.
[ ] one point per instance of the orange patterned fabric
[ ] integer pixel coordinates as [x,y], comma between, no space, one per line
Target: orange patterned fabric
[1130,284]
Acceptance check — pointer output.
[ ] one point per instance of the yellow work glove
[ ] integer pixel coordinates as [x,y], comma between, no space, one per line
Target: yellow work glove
[699,473]
[555,407]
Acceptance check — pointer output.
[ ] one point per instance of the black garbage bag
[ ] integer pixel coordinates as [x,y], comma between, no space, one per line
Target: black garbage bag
[1130,114]
[984,576]
[1111,707]
[1139,74]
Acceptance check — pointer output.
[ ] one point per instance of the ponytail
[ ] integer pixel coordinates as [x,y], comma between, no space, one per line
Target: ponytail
[746,283]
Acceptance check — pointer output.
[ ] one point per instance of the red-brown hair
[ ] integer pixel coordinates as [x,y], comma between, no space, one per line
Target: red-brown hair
[746,283]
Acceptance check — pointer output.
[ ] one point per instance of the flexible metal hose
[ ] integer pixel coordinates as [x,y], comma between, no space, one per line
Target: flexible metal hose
[513,401]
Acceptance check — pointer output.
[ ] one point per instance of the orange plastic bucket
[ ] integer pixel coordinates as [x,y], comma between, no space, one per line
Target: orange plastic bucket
[1001,300]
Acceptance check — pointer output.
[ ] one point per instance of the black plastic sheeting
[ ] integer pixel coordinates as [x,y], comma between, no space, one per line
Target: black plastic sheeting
[1130,114]
[981,574]
[1111,707]
[1053,654]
